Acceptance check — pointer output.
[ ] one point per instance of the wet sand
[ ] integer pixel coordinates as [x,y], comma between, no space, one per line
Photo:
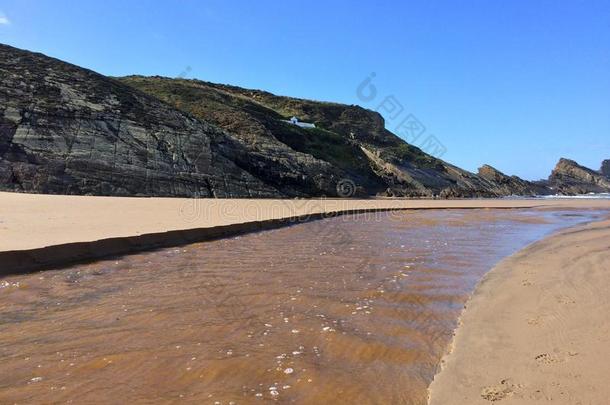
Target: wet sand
[341,310]
[537,329]
[41,231]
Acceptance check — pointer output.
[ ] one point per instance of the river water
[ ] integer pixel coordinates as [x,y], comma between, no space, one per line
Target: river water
[347,310]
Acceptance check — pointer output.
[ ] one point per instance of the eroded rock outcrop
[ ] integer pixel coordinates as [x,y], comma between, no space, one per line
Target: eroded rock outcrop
[605,169]
[511,184]
[570,178]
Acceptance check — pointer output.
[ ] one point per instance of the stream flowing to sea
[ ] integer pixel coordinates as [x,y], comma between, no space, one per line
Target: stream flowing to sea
[356,309]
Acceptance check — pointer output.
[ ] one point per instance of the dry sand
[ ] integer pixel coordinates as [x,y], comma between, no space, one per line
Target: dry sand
[40,231]
[30,221]
[537,329]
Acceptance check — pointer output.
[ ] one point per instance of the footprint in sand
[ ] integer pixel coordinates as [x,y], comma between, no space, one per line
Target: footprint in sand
[495,393]
[564,299]
[540,395]
[546,359]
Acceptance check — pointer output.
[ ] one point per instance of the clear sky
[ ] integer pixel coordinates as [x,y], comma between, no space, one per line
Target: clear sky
[516,84]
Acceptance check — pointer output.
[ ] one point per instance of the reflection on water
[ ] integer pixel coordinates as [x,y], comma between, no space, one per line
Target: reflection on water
[343,310]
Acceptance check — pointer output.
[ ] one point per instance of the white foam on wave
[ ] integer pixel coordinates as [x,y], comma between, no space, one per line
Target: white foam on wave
[578,196]
[590,196]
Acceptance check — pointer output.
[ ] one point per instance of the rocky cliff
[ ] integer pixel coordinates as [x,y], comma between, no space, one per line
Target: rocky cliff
[570,178]
[68,130]
[512,184]
[605,169]
[64,129]
[292,159]
[352,141]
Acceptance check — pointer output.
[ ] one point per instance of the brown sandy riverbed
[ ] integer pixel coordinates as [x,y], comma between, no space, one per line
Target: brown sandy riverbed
[45,230]
[537,329]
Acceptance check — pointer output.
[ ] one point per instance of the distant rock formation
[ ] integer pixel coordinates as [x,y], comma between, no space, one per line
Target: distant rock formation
[570,178]
[511,185]
[605,169]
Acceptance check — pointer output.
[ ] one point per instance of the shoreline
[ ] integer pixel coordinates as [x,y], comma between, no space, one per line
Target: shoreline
[39,232]
[526,335]
[56,256]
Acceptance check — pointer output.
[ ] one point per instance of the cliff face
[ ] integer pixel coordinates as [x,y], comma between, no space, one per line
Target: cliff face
[568,177]
[296,161]
[64,129]
[348,142]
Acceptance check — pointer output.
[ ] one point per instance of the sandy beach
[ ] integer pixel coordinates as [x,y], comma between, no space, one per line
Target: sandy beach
[38,231]
[537,327]
[533,330]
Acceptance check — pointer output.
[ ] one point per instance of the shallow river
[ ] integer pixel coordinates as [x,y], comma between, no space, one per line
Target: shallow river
[354,309]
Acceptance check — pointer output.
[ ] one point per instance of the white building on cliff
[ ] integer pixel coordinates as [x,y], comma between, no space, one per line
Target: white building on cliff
[295,121]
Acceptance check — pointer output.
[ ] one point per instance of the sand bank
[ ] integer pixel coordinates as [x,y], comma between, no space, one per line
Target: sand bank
[537,328]
[38,231]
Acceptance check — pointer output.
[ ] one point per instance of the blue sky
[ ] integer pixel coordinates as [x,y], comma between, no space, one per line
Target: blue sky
[514,84]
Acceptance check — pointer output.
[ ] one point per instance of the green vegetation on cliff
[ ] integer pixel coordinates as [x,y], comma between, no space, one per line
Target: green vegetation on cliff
[352,141]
